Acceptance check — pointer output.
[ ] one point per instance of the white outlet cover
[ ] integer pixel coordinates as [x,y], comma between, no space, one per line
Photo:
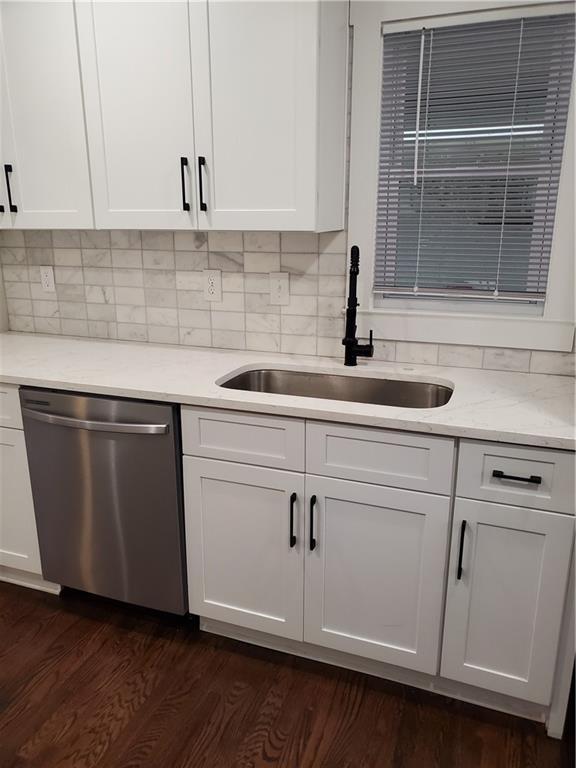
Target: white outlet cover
[212,285]
[47,279]
[280,288]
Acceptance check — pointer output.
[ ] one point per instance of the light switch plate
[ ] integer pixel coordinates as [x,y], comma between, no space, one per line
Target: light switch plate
[212,285]
[279,288]
[47,279]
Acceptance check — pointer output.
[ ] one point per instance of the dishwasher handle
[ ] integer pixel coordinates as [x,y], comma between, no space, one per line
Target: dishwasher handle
[96,426]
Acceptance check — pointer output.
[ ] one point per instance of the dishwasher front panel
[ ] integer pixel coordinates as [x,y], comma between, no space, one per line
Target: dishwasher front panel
[106,481]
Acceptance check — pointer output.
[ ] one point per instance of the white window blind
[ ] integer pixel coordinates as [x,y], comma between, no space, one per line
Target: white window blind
[473,121]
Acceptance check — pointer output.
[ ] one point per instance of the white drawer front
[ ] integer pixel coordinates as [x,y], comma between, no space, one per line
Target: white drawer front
[398,459]
[10,414]
[545,478]
[243,437]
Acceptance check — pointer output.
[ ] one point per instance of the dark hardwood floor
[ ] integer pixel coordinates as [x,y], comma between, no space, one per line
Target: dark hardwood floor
[85,682]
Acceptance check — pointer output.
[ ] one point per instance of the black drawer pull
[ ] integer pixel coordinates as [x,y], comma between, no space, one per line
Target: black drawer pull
[312,539]
[293,498]
[534,479]
[201,164]
[183,165]
[461,550]
[7,171]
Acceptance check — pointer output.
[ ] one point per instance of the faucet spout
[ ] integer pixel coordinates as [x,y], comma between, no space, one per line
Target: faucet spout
[352,348]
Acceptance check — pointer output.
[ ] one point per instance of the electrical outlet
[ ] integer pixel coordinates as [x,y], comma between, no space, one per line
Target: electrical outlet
[47,279]
[279,288]
[212,285]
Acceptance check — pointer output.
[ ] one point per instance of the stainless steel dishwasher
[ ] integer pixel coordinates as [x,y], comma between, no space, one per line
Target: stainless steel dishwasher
[106,481]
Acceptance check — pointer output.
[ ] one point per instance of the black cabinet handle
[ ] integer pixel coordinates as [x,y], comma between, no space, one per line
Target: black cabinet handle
[183,165]
[312,539]
[293,498]
[461,550]
[201,164]
[534,479]
[8,170]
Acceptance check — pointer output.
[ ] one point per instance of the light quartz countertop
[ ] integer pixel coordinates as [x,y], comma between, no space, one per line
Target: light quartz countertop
[529,409]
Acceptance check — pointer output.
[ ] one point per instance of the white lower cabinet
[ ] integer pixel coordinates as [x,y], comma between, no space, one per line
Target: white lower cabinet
[377,571]
[373,581]
[243,566]
[18,538]
[504,605]
[375,578]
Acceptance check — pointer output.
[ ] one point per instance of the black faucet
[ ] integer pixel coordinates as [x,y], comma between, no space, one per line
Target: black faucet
[352,348]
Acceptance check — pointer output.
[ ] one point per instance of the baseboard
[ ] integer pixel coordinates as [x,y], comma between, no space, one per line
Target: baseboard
[430,683]
[31,580]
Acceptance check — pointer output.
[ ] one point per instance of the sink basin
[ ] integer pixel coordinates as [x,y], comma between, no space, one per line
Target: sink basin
[354,389]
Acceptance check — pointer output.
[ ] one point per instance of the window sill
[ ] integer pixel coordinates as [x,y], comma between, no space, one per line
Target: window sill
[535,333]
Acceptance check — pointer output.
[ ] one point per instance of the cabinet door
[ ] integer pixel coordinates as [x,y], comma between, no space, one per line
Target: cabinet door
[6,217]
[18,539]
[255,74]
[503,615]
[241,566]
[374,581]
[138,92]
[42,135]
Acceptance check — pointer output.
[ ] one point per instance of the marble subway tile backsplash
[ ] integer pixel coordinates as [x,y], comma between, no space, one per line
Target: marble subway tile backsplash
[148,286]
[497,359]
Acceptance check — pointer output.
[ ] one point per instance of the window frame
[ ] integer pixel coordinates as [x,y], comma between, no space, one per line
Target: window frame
[461,323]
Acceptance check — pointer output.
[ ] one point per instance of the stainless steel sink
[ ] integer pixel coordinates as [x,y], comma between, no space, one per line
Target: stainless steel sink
[355,389]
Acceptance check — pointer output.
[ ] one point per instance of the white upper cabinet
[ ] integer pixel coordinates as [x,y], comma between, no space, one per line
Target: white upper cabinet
[43,155]
[194,114]
[506,590]
[138,99]
[250,96]
[269,113]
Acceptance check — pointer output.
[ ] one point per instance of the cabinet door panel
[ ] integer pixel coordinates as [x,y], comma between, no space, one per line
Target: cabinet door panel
[43,135]
[138,90]
[18,539]
[241,567]
[255,72]
[374,582]
[503,616]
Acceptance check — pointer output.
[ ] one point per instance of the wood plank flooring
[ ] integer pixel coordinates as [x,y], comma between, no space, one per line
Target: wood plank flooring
[85,682]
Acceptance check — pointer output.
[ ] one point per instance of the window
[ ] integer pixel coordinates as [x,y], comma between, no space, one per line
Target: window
[497,269]
[472,125]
